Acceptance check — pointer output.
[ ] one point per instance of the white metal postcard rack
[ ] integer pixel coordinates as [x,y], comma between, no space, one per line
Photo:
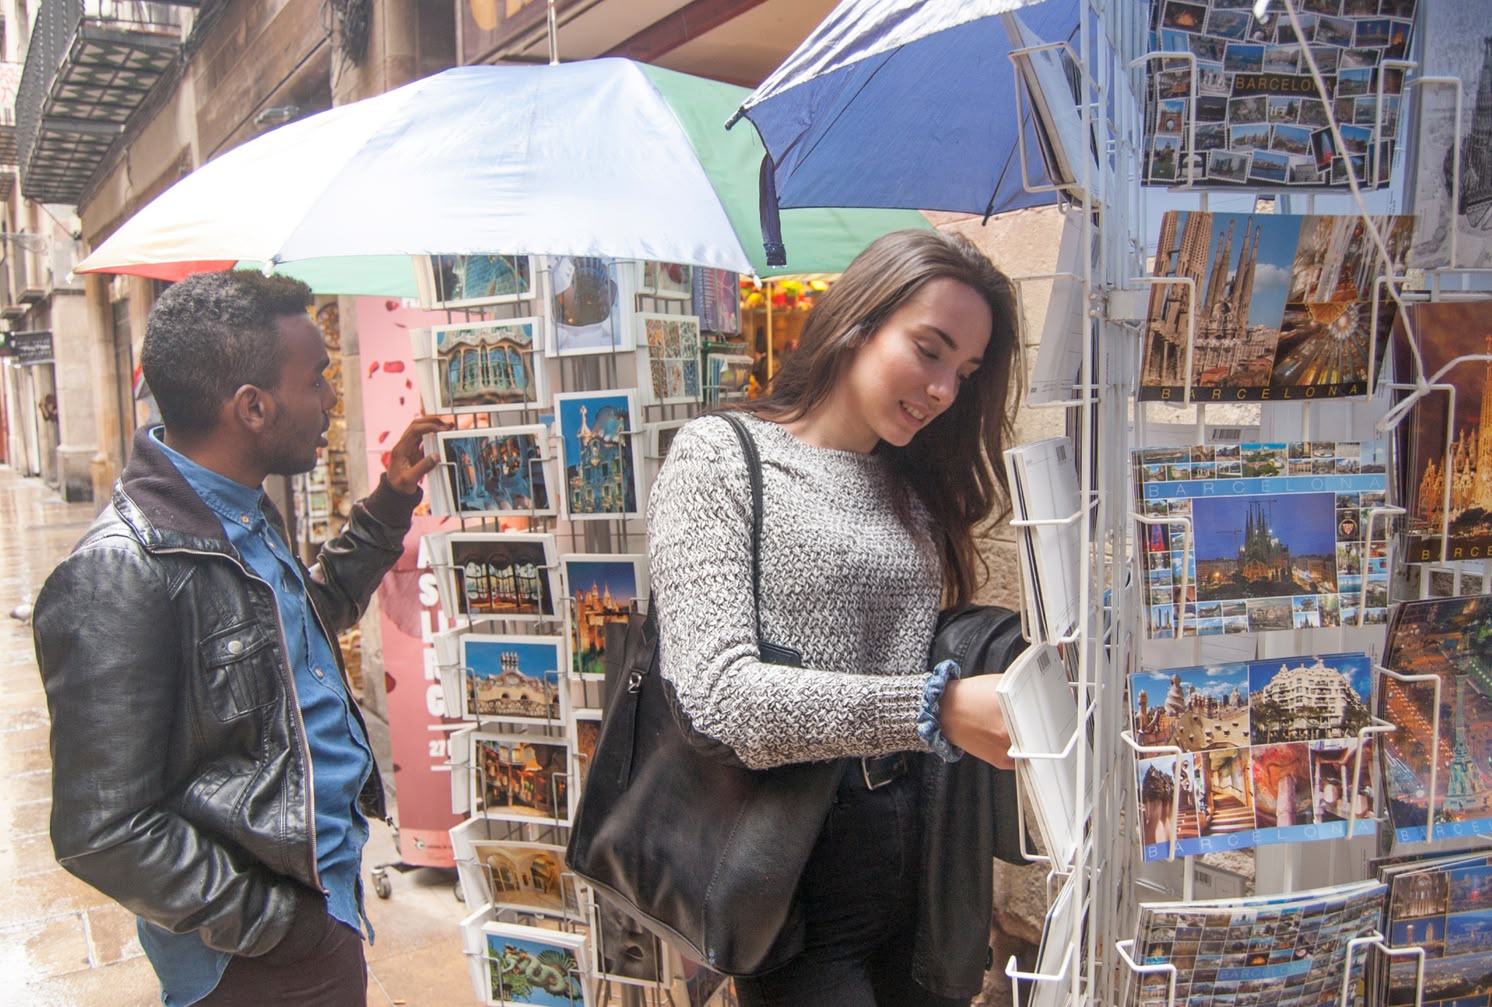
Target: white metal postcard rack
[1087,957]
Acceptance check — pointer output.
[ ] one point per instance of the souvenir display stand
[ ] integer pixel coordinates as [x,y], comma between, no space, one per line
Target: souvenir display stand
[566,379]
[1318,831]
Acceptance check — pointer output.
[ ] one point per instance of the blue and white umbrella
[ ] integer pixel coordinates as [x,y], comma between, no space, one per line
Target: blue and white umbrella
[901,103]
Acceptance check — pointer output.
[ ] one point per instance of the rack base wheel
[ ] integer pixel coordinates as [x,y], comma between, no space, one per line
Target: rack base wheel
[381,886]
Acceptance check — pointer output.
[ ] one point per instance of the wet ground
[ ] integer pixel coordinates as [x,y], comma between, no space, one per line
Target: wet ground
[62,944]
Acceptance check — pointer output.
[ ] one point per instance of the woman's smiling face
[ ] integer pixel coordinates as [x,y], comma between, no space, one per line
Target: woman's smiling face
[911,368]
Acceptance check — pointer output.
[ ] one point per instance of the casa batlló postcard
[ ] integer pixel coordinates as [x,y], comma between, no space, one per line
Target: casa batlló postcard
[1270,753]
[1450,639]
[1266,306]
[1449,477]
[1279,536]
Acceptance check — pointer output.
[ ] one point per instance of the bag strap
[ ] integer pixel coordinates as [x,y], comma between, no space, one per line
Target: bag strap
[754,469]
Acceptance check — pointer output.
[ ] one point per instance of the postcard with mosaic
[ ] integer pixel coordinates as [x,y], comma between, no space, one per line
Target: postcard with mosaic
[1270,753]
[668,351]
[534,965]
[1449,465]
[1450,638]
[1280,537]
[1260,118]
[1445,907]
[1276,307]
[486,366]
[1285,951]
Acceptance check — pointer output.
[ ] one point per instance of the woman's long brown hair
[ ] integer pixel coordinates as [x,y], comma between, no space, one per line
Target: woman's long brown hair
[954,465]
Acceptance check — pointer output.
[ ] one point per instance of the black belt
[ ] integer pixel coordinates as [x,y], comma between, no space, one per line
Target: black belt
[876,771]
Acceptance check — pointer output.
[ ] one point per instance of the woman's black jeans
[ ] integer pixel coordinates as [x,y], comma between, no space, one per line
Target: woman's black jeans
[860,894]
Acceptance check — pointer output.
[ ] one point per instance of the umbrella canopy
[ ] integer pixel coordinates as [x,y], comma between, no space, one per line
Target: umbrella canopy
[599,157]
[903,103]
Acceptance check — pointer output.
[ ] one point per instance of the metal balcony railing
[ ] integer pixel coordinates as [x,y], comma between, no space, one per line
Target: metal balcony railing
[89,66]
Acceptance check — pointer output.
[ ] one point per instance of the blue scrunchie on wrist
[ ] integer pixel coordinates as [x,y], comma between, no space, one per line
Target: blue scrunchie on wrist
[928,728]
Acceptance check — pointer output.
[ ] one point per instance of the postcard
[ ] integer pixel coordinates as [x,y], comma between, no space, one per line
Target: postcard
[1044,484]
[1241,57]
[671,280]
[1443,906]
[1270,752]
[590,304]
[1449,478]
[624,950]
[601,588]
[599,452]
[1042,713]
[515,678]
[1446,128]
[520,778]
[1443,637]
[535,965]
[482,366]
[496,575]
[469,281]
[495,868]
[1277,541]
[1291,950]
[585,733]
[660,438]
[668,354]
[1266,307]
[717,300]
[727,377]
[495,470]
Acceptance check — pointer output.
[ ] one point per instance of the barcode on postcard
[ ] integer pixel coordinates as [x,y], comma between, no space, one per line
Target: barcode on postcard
[1227,433]
[1043,661]
[1061,452]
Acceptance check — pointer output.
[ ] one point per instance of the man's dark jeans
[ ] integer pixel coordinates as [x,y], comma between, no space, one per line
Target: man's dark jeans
[860,892]
[318,964]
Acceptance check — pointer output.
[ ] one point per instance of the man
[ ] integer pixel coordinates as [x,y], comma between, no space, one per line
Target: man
[210,770]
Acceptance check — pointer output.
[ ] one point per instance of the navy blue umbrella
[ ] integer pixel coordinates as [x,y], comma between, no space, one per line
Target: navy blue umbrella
[902,104]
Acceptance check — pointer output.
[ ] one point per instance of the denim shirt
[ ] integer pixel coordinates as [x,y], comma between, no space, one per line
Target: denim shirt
[340,759]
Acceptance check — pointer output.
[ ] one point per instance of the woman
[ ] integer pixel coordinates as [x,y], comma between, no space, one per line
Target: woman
[876,440]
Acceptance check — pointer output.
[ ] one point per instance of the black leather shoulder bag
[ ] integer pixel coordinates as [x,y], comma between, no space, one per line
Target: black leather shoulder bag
[705,852]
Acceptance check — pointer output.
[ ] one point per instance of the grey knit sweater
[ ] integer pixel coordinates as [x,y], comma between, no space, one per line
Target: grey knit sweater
[843,581]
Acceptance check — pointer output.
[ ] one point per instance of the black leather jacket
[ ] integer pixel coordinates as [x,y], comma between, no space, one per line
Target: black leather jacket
[969,817]
[181,782]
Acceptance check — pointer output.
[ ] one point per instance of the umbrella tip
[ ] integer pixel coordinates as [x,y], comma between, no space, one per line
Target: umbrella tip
[269,266]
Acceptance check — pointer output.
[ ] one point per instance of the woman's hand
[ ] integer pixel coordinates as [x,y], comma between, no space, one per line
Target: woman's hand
[971,718]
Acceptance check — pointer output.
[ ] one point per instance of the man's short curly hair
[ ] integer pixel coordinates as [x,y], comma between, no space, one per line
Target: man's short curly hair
[212,333]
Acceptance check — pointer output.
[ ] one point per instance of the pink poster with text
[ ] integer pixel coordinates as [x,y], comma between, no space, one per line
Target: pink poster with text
[409,609]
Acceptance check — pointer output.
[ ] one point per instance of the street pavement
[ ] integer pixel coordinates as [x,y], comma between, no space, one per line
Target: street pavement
[62,944]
